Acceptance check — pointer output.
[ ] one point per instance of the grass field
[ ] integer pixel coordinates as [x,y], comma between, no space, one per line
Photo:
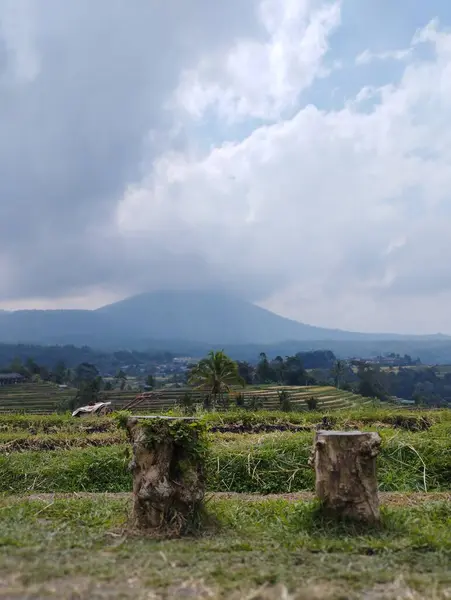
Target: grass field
[81,548]
[65,501]
[38,398]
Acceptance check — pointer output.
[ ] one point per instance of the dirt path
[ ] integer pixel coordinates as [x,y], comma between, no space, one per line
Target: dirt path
[387,498]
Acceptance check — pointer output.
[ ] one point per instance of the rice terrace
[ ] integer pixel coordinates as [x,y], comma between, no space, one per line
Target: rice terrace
[66,504]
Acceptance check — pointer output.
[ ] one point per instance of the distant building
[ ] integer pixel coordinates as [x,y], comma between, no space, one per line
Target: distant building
[11,378]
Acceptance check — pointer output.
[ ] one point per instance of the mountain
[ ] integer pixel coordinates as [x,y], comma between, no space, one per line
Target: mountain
[200,317]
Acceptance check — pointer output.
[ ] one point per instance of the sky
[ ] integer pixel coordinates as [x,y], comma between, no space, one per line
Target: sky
[294,152]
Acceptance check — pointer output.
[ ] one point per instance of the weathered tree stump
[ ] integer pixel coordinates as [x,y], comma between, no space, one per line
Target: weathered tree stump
[345,468]
[168,472]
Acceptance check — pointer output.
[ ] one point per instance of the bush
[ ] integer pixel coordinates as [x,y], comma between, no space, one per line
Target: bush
[284,401]
[255,403]
[312,403]
[240,400]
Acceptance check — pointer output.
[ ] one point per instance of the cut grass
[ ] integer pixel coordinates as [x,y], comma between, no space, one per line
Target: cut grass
[53,548]
[377,417]
[56,423]
[22,441]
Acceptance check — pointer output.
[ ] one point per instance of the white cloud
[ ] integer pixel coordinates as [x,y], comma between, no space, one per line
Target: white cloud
[367,56]
[262,78]
[327,207]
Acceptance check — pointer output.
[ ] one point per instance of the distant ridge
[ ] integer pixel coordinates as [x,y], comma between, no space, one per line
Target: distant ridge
[203,317]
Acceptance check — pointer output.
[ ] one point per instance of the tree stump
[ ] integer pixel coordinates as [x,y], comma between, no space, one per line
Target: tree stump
[345,468]
[168,473]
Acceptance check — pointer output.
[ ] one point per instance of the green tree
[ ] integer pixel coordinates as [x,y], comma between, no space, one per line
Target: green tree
[32,366]
[246,371]
[284,401]
[121,379]
[370,384]
[17,366]
[215,374]
[279,368]
[150,381]
[88,392]
[264,371]
[339,372]
[60,372]
[86,372]
[294,372]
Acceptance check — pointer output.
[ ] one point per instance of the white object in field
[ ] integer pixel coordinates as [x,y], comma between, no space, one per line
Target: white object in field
[90,409]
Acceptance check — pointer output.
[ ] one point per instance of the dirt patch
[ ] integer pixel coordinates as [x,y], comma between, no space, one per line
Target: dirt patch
[43,444]
[259,428]
[387,498]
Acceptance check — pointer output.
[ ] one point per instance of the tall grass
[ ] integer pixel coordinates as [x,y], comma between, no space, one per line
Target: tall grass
[266,463]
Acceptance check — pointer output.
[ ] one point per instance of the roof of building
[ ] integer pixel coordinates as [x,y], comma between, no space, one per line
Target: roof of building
[11,376]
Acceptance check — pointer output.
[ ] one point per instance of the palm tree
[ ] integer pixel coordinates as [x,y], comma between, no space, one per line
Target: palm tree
[338,371]
[215,374]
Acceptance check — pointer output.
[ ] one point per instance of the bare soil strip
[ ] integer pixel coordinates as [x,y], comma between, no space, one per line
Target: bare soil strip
[387,498]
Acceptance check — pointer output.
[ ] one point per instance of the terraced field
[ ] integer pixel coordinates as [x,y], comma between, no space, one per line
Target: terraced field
[45,398]
[327,397]
[34,398]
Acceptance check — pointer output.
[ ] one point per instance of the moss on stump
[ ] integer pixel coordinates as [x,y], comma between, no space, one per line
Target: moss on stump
[168,467]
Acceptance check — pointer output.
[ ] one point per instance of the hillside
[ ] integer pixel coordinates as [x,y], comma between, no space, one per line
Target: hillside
[328,398]
[45,398]
[175,317]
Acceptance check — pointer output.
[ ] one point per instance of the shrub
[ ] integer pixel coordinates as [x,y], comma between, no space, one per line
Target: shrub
[255,403]
[240,400]
[284,401]
[312,403]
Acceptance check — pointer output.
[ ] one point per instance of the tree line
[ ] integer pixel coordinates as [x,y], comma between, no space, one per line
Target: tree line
[422,384]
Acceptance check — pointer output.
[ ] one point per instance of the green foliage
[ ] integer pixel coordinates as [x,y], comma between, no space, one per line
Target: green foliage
[188,435]
[240,400]
[370,382]
[121,418]
[188,404]
[292,370]
[339,371]
[284,401]
[255,403]
[312,403]
[215,374]
[86,372]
